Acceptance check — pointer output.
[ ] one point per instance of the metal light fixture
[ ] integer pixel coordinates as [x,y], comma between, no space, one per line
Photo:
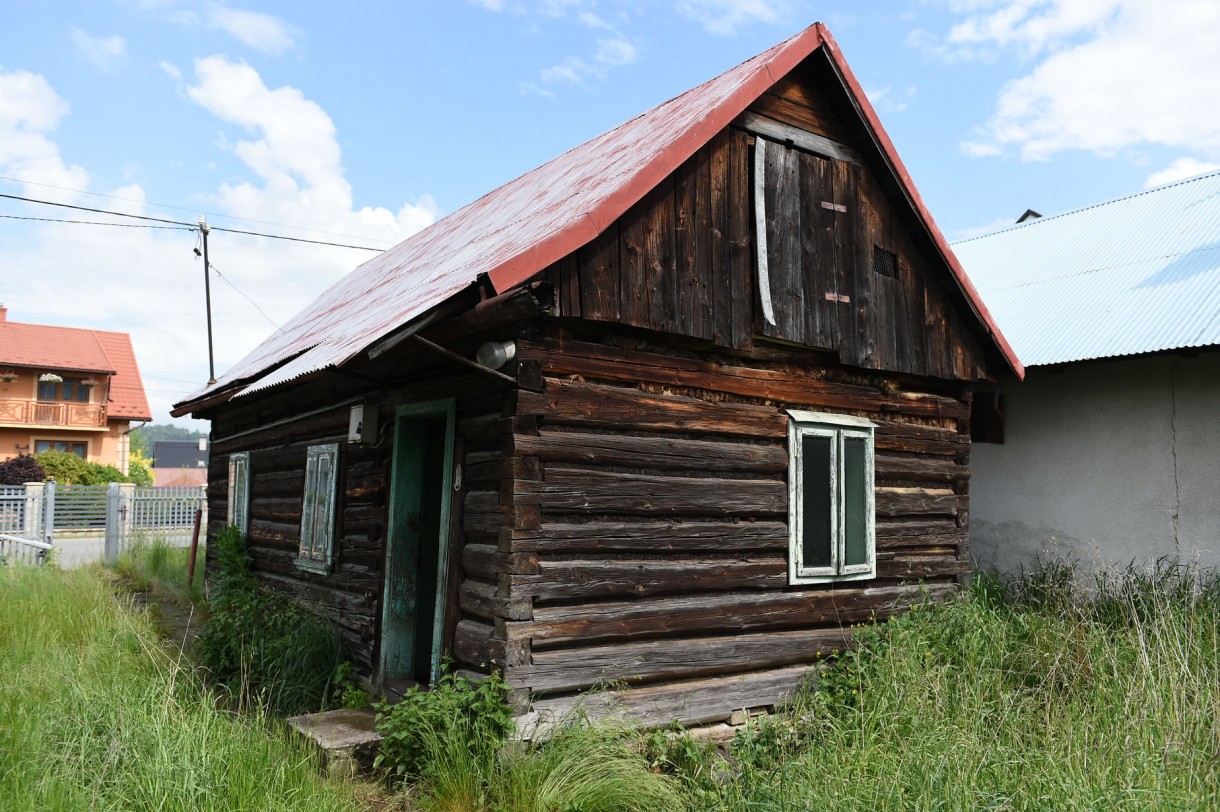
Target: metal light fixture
[495,354]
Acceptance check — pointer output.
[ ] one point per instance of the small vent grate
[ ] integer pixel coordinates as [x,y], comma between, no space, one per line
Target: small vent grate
[885,263]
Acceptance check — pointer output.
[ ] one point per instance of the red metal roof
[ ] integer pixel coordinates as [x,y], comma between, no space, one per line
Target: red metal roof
[522,227]
[74,349]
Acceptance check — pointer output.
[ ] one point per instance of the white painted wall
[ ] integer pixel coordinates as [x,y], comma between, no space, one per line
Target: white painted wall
[1109,461]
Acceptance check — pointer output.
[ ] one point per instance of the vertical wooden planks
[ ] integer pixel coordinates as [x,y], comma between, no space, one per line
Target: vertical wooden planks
[821,275]
[720,292]
[699,286]
[783,223]
[684,294]
[741,243]
[846,240]
[599,273]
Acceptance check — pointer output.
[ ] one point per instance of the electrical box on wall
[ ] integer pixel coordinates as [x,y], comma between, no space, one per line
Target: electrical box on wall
[362,425]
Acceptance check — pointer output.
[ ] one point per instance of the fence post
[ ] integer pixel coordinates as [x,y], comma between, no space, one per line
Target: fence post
[113,505]
[33,511]
[127,511]
[48,511]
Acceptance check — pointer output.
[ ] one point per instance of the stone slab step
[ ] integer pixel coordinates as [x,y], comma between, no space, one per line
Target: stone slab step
[345,737]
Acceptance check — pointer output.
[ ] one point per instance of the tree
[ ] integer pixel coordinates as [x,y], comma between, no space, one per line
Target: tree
[137,469]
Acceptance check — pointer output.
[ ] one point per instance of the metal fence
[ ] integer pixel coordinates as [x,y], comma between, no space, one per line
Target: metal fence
[25,529]
[37,517]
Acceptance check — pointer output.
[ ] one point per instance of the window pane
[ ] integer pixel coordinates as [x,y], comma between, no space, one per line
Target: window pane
[816,501]
[48,390]
[855,501]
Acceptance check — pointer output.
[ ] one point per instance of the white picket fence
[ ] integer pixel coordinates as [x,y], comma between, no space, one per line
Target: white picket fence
[38,517]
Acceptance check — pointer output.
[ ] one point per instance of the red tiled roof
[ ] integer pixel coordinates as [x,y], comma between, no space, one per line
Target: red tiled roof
[127,398]
[74,349]
[520,228]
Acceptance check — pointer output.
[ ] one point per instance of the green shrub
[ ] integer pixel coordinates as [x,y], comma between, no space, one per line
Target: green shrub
[69,469]
[262,648]
[455,714]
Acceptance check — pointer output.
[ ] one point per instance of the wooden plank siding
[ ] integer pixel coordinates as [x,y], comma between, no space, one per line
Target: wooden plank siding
[655,541]
[681,261]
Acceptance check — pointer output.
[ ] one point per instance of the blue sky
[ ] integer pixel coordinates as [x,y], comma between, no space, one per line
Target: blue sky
[363,122]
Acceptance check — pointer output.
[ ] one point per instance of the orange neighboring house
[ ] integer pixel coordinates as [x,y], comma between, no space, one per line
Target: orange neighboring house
[69,389]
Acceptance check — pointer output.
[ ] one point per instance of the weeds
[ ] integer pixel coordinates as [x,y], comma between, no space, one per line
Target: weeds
[263,649]
[1024,694]
[154,564]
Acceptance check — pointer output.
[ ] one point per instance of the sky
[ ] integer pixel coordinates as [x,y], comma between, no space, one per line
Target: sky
[361,123]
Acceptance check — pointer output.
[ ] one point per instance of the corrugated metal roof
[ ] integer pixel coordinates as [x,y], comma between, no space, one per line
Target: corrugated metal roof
[1135,275]
[512,233]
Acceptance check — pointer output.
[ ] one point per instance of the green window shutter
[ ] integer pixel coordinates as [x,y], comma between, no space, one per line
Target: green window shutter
[316,551]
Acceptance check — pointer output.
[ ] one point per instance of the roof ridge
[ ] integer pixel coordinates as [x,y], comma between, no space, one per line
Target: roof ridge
[1039,220]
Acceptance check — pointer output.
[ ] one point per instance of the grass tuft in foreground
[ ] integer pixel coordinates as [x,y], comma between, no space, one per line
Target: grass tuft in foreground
[153,564]
[1029,694]
[97,714]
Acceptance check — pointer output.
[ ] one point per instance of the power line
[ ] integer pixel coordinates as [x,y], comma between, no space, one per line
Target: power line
[191,226]
[93,223]
[184,208]
[212,265]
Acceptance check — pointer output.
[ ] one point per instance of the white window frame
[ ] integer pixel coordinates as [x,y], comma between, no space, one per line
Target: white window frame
[239,490]
[837,427]
[317,544]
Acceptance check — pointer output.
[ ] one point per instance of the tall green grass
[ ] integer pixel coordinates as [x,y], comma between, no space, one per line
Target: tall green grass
[152,563]
[1026,695]
[96,714]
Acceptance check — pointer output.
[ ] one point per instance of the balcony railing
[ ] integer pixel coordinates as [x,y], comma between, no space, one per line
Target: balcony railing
[31,412]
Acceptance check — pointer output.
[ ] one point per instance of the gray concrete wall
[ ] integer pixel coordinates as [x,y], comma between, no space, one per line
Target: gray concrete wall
[1109,461]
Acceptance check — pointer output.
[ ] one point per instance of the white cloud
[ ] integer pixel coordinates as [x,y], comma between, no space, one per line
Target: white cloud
[727,17]
[101,51]
[170,70]
[29,109]
[886,99]
[616,51]
[260,31]
[1112,75]
[149,280]
[1180,169]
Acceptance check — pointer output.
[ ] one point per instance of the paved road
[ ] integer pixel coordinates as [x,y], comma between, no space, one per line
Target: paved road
[79,550]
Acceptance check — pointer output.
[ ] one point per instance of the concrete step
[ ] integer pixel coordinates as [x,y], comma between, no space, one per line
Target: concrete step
[345,737]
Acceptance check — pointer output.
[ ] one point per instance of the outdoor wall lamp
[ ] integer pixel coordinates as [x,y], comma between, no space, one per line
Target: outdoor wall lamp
[495,354]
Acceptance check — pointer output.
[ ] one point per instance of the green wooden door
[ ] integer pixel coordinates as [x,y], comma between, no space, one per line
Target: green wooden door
[416,571]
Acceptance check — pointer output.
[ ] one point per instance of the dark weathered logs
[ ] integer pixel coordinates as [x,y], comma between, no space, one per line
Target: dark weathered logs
[688,702]
[654,537]
[729,611]
[584,404]
[566,490]
[657,660]
[567,580]
[653,452]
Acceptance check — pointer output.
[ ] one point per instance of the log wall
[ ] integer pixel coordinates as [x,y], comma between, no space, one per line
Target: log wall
[649,536]
[351,595]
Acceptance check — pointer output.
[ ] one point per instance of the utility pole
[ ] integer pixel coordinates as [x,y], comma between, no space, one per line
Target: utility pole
[207,295]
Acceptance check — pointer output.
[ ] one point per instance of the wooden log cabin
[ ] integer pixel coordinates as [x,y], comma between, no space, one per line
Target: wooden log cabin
[719,413]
